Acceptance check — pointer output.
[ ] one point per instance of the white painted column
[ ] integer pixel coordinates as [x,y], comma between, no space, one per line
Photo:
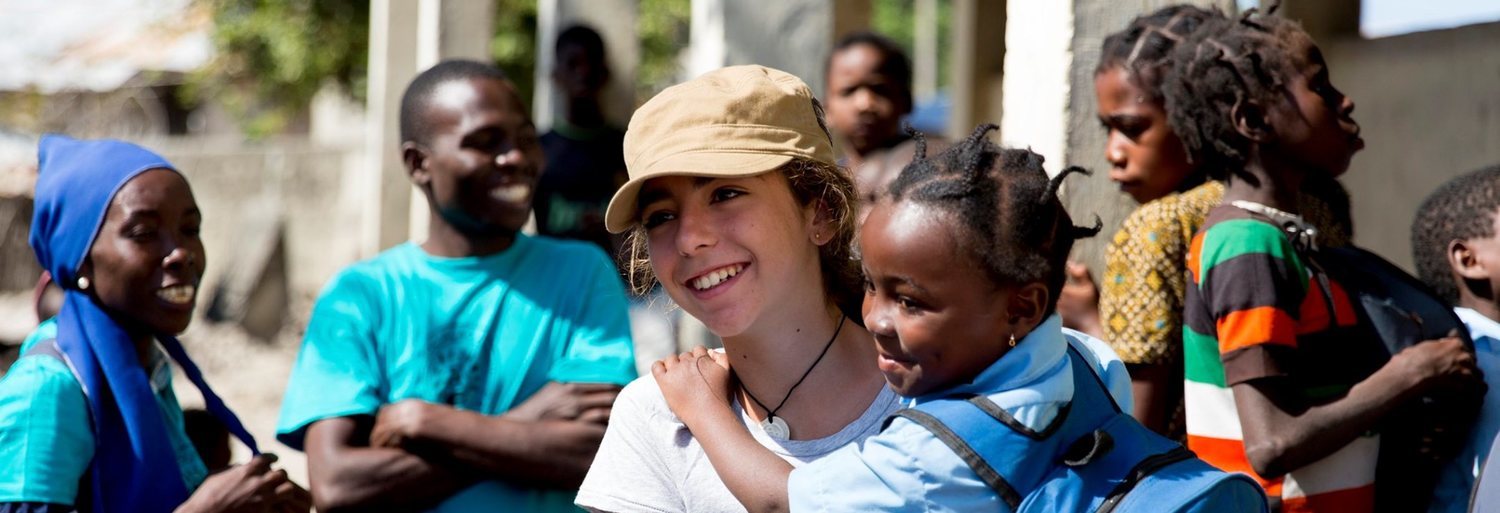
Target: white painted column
[977,67]
[792,35]
[924,55]
[384,213]
[1038,58]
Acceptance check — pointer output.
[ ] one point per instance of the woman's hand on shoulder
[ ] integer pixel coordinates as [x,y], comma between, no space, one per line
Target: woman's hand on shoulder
[694,383]
[251,487]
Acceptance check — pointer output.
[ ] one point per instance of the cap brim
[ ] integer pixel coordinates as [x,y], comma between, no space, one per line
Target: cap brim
[622,211]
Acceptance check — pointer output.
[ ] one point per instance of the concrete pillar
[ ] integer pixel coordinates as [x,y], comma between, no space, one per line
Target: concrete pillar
[385,209]
[405,38]
[448,29]
[1324,19]
[978,62]
[1085,197]
[850,16]
[793,36]
[924,52]
[616,23]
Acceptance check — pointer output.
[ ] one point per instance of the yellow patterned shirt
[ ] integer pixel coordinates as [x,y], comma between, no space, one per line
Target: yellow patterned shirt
[1140,301]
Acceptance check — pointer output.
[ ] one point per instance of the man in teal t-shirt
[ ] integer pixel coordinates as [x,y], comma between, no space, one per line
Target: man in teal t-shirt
[473,371]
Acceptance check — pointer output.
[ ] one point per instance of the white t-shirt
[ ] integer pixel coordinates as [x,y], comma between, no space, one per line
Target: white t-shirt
[649,462]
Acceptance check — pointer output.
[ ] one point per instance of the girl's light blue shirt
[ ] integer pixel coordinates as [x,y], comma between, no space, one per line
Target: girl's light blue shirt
[46,439]
[906,468]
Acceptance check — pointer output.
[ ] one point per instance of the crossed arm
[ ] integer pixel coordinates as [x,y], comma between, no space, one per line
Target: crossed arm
[414,454]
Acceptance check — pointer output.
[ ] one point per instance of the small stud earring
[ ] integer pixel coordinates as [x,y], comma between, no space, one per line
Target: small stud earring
[83,283]
[1012,340]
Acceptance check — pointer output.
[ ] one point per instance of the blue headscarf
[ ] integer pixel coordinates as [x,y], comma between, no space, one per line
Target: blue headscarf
[134,466]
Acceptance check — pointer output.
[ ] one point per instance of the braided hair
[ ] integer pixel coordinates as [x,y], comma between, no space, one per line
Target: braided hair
[1462,209]
[1144,48]
[1007,211]
[1224,64]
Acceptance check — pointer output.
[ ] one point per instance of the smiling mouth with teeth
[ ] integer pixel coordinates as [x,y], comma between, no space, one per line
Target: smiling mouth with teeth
[177,294]
[716,277]
[515,193]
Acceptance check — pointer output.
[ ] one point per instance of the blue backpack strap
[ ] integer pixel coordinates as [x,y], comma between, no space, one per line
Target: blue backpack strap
[957,441]
[1016,461]
[959,420]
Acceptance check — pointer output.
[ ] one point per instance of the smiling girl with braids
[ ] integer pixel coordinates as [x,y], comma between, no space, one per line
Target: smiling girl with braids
[1284,380]
[963,260]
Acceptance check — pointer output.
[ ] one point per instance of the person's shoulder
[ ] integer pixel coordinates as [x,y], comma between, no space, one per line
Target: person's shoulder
[1229,226]
[40,380]
[1106,364]
[401,260]
[383,264]
[567,252]
[1093,349]
[642,399]
[44,421]
[1187,207]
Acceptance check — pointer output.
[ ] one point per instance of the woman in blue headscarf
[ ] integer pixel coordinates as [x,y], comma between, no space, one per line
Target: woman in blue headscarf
[88,420]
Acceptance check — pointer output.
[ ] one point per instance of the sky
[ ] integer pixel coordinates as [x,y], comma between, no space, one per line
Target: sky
[1381,18]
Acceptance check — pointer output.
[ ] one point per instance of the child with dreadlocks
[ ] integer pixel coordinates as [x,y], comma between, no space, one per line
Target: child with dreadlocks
[1145,276]
[1455,244]
[963,260]
[1283,380]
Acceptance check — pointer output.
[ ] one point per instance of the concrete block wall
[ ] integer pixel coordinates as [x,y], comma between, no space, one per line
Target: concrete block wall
[306,188]
[1428,105]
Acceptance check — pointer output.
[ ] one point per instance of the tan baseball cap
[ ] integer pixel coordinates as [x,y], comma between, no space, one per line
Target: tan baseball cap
[735,121]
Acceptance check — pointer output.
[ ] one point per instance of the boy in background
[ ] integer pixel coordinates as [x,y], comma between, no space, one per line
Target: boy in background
[1454,243]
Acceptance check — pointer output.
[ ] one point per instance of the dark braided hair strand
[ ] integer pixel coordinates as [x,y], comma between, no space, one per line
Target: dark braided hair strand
[1007,211]
[1224,64]
[1144,48]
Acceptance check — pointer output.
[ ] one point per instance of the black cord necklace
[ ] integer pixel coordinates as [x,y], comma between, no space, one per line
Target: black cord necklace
[774,426]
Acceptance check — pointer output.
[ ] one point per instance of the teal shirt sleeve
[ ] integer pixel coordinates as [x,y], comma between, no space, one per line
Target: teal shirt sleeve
[45,439]
[600,350]
[47,330]
[336,373]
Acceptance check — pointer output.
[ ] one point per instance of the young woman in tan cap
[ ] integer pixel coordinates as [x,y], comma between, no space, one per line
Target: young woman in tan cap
[736,207]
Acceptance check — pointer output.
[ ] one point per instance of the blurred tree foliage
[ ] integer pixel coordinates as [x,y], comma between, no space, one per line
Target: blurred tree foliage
[514,45]
[896,19]
[272,56]
[663,27]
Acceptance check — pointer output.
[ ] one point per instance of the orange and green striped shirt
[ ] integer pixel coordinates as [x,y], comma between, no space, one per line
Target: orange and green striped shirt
[1255,311]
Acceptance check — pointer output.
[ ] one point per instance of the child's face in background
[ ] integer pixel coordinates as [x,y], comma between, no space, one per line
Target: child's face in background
[864,104]
[1314,127]
[936,318]
[1145,156]
[1482,270]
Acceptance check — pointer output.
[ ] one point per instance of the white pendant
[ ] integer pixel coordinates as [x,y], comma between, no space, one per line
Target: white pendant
[776,428]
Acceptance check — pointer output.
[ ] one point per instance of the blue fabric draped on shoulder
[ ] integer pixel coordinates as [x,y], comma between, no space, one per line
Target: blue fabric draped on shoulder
[134,467]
